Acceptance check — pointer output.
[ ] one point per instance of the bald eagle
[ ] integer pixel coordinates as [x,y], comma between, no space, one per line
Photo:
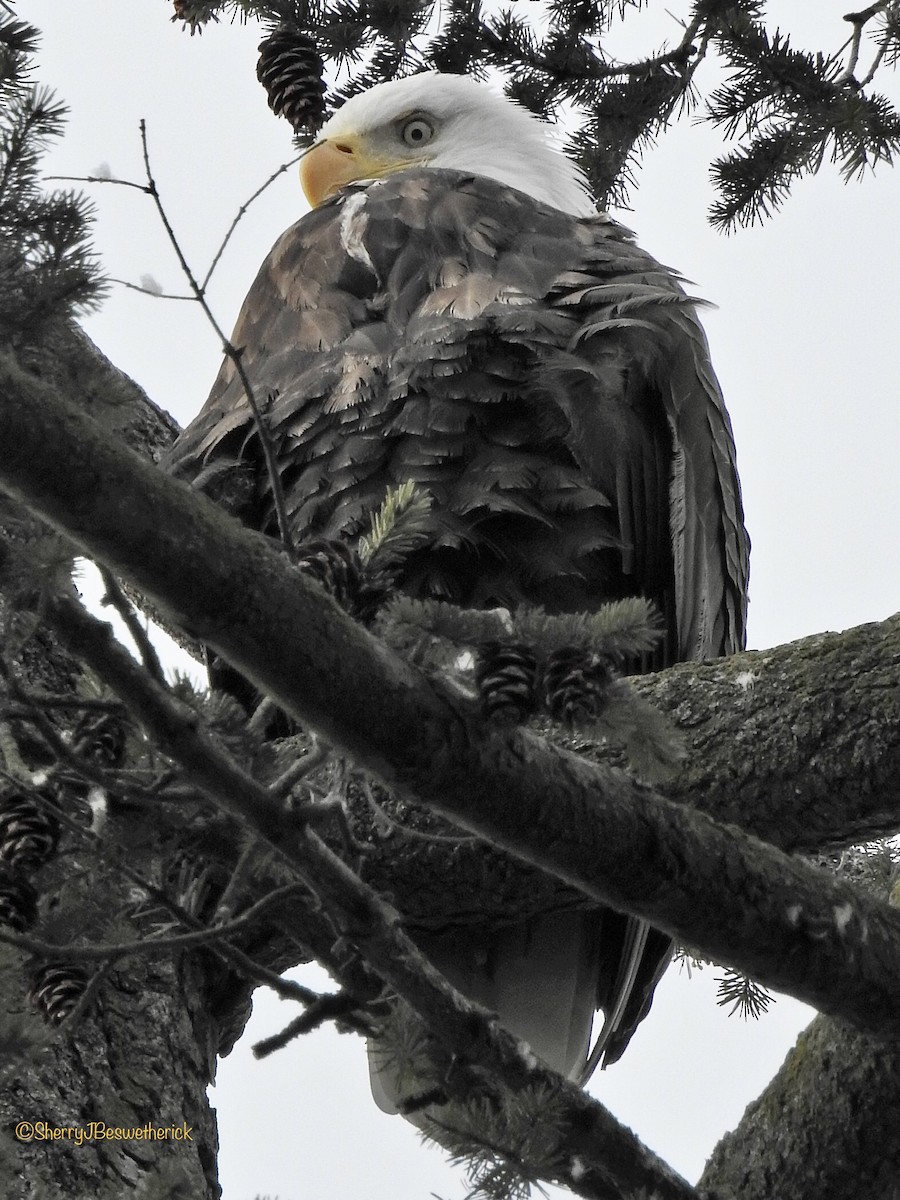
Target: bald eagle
[454,311]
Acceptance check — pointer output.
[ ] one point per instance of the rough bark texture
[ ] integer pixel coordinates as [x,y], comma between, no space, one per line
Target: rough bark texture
[141,1055]
[827,1126]
[799,745]
[134,1061]
[64,357]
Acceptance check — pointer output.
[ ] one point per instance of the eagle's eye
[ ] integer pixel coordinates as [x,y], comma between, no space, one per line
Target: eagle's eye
[417,132]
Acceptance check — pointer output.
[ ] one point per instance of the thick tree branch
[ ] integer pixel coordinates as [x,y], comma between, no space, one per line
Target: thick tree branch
[827,1125]
[799,745]
[658,861]
[601,832]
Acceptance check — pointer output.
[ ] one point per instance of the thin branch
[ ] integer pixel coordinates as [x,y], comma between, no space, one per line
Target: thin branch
[599,70]
[85,999]
[242,211]
[123,606]
[876,63]
[382,816]
[239,875]
[853,56]
[141,187]
[60,748]
[866,14]
[316,757]
[208,937]
[112,854]
[46,700]
[231,352]
[859,20]
[148,291]
[10,755]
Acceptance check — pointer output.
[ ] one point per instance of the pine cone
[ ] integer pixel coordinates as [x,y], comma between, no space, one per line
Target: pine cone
[337,567]
[28,833]
[55,988]
[506,675]
[18,901]
[102,740]
[290,69]
[575,684]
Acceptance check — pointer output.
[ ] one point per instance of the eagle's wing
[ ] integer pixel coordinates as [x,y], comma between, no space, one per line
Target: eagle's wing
[654,433]
[547,381]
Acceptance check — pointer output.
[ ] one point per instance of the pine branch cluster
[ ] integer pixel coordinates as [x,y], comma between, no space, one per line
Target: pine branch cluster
[46,265]
[743,994]
[786,110]
[791,110]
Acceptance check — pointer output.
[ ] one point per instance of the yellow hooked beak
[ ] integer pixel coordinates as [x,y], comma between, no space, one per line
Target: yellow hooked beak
[333,163]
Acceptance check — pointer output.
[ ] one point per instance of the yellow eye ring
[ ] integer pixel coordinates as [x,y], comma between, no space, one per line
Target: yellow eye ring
[417,132]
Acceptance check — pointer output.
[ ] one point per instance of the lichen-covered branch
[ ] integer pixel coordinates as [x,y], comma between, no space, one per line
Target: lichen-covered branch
[799,745]
[827,1125]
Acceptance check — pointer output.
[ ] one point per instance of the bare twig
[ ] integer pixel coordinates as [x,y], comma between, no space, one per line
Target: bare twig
[149,291]
[123,606]
[9,752]
[46,700]
[141,187]
[416,835]
[318,754]
[207,937]
[599,70]
[866,14]
[242,211]
[241,871]
[85,999]
[232,352]
[876,63]
[859,20]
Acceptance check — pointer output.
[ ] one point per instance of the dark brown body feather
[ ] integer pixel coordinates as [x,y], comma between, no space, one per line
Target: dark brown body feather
[540,375]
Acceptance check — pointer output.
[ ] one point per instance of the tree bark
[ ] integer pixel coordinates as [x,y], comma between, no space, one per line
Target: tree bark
[138,1061]
[129,1079]
[827,1125]
[799,745]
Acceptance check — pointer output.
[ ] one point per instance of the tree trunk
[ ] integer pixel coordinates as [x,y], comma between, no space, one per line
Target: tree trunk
[116,1104]
[113,1101]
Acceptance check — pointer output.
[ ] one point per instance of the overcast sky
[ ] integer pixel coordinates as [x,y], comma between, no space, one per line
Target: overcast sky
[804,339]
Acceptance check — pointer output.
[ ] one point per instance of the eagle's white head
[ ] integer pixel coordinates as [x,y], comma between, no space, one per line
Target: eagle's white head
[438,120]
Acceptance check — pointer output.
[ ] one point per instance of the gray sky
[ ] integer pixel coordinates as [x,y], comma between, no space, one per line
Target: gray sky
[804,341]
